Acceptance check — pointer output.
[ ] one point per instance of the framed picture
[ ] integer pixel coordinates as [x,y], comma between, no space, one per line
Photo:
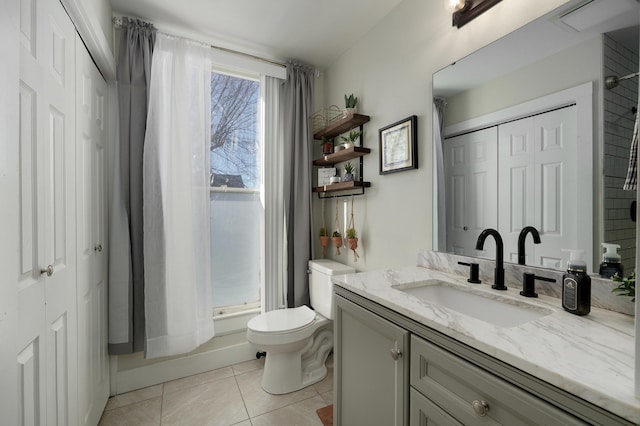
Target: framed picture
[399,146]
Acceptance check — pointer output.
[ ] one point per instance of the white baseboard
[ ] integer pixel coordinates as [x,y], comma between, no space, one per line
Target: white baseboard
[172,369]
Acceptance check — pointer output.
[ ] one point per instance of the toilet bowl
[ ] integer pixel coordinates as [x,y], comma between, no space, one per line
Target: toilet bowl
[298,340]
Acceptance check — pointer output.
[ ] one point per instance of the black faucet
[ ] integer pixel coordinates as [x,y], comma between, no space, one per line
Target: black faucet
[522,237]
[498,280]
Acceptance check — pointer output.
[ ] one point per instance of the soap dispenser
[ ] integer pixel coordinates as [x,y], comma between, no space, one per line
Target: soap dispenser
[576,285]
[611,261]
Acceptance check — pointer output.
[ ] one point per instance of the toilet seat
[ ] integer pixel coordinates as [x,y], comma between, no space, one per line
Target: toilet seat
[282,320]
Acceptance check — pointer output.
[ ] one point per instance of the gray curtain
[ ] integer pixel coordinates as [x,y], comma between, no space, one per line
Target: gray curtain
[298,140]
[135,48]
[439,105]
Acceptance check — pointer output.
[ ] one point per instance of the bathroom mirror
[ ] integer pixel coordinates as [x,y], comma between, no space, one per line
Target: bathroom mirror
[562,50]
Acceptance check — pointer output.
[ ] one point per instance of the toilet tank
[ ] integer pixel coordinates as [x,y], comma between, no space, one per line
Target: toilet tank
[320,285]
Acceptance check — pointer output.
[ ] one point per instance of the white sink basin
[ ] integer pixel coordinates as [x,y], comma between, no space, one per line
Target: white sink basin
[492,308]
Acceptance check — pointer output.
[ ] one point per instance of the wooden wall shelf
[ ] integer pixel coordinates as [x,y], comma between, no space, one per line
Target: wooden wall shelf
[341,186]
[342,155]
[341,126]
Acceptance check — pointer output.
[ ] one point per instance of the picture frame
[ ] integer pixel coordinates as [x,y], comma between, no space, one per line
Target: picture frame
[399,146]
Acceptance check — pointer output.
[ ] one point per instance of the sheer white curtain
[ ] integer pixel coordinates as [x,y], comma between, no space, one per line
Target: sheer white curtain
[177,256]
[439,212]
[274,281]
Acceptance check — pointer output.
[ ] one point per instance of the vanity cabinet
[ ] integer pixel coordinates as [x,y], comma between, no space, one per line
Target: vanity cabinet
[356,152]
[443,383]
[435,378]
[371,373]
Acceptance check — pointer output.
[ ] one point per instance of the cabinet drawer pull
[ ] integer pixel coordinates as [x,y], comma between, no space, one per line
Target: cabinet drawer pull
[98,248]
[48,270]
[395,354]
[480,407]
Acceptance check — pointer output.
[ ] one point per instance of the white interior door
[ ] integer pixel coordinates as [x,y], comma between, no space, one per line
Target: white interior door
[47,345]
[516,146]
[9,218]
[93,367]
[471,181]
[563,199]
[539,186]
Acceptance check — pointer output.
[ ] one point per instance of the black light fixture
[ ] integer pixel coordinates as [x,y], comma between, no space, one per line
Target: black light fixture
[466,10]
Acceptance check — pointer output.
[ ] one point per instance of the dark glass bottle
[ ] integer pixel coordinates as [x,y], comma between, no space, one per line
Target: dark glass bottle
[576,291]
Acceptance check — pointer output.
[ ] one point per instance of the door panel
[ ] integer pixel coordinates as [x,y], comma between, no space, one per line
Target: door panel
[538,160]
[93,371]
[471,183]
[46,301]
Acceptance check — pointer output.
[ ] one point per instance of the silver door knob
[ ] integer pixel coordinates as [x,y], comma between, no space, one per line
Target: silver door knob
[48,270]
[395,354]
[98,248]
[480,407]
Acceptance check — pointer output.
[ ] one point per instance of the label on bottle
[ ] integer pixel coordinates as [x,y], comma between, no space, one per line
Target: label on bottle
[570,294]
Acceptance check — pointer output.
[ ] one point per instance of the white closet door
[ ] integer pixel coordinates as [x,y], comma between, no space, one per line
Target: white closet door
[563,199]
[93,366]
[47,344]
[539,186]
[9,218]
[471,181]
[516,159]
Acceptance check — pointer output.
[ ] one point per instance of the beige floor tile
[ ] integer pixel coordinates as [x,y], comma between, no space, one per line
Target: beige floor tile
[302,413]
[245,367]
[198,379]
[133,397]
[215,403]
[243,423]
[259,402]
[328,397]
[326,384]
[145,413]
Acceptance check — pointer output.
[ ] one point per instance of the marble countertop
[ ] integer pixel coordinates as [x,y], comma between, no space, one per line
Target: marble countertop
[591,357]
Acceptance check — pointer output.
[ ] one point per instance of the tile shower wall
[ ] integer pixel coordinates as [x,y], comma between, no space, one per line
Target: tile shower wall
[618,131]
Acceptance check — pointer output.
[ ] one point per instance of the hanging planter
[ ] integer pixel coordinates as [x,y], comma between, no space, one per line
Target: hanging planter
[352,235]
[324,234]
[337,236]
[324,239]
[337,241]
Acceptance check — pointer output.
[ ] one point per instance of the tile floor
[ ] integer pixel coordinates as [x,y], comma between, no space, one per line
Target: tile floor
[227,396]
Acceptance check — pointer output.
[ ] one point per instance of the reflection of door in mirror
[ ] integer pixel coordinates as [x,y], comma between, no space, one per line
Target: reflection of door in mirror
[471,181]
[514,174]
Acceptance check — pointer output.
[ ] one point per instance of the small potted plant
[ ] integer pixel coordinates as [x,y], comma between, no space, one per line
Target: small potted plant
[626,286]
[352,242]
[327,145]
[348,172]
[350,103]
[324,237]
[337,240]
[350,140]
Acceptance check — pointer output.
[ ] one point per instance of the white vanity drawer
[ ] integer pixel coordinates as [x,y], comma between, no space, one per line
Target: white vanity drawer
[467,392]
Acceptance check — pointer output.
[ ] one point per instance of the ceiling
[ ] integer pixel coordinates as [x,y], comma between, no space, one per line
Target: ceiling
[310,31]
[570,24]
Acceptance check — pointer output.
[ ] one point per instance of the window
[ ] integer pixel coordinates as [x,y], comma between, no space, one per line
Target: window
[236,207]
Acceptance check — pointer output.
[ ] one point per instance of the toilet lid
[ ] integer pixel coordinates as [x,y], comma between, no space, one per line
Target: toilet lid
[282,320]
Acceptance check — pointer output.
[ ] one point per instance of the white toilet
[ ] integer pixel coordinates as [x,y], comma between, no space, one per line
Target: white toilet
[298,340]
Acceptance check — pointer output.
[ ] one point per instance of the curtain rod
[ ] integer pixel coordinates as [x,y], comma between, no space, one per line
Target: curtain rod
[249,55]
[117,22]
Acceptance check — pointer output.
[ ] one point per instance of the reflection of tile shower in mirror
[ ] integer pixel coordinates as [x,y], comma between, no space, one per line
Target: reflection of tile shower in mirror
[619,120]
[581,55]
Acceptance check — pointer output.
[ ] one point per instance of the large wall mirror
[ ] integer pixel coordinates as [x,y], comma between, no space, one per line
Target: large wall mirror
[532,136]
